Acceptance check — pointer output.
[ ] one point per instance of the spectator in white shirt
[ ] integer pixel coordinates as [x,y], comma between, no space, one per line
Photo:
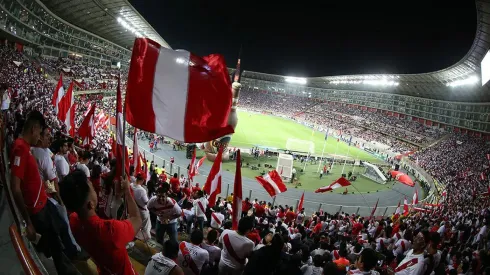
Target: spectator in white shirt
[217,220]
[413,263]
[210,245]
[167,211]
[141,199]
[60,162]
[165,263]
[200,205]
[192,257]
[236,248]
[82,165]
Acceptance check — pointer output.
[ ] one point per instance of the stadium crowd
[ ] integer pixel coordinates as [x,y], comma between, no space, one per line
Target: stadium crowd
[73,206]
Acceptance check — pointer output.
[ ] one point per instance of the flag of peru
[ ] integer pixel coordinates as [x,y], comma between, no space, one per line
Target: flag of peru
[178,94]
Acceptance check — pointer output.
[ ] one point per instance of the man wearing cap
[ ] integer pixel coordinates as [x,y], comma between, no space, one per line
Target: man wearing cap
[141,199]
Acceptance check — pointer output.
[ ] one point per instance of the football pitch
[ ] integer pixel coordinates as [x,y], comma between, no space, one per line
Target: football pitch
[273,132]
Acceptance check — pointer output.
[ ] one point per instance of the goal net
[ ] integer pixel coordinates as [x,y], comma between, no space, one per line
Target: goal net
[300,145]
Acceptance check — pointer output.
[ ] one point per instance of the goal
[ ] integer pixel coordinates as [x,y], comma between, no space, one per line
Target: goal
[300,145]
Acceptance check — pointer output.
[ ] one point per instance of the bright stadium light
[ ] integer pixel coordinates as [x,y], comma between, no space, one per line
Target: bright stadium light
[128,27]
[485,69]
[296,80]
[367,81]
[467,81]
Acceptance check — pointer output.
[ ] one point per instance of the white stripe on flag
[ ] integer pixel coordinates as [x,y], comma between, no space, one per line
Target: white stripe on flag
[167,97]
[214,182]
[272,183]
[336,185]
[119,126]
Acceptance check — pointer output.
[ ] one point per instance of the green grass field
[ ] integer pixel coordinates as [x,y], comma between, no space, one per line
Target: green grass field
[270,131]
[264,130]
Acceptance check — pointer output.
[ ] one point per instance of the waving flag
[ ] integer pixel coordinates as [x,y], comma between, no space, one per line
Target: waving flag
[199,164]
[120,151]
[405,207]
[397,211]
[58,94]
[374,209]
[272,183]
[194,92]
[86,131]
[340,182]
[415,199]
[213,182]
[300,204]
[237,193]
[66,111]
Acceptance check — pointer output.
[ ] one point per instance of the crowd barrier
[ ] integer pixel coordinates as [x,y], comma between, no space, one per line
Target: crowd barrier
[260,194]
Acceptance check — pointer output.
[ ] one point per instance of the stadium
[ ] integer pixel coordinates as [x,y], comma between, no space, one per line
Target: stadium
[66,69]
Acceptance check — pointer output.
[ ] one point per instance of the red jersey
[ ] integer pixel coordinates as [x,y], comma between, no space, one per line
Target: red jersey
[175,183]
[24,166]
[105,241]
[259,210]
[187,191]
[317,228]
[195,189]
[356,228]
[246,206]
[290,216]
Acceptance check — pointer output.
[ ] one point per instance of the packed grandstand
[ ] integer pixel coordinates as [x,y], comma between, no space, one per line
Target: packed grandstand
[168,225]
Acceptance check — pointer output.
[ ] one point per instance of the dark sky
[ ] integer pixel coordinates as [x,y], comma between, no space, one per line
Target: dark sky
[307,38]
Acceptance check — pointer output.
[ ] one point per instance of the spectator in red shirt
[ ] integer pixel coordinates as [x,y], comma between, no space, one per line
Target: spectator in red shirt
[196,188]
[290,215]
[175,183]
[246,206]
[44,225]
[104,240]
[259,210]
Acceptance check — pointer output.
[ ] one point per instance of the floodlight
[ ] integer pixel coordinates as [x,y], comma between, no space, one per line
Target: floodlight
[296,80]
[467,81]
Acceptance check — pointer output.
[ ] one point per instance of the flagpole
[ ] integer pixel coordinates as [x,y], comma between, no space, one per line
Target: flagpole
[321,160]
[345,161]
[357,155]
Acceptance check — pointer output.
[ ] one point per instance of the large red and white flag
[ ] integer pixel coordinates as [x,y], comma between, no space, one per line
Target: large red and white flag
[300,203]
[272,183]
[405,207]
[58,94]
[213,182]
[66,111]
[340,182]
[237,193]
[121,153]
[86,131]
[192,167]
[178,94]
[415,199]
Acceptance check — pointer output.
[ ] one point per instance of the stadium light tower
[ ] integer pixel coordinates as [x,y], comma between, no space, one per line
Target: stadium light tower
[296,80]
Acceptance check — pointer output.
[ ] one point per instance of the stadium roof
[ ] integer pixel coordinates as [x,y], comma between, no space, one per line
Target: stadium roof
[430,85]
[101,18]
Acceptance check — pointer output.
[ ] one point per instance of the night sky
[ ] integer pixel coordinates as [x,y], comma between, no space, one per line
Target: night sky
[303,38]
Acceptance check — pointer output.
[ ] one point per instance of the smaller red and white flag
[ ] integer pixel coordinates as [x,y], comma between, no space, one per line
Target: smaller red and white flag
[300,204]
[58,94]
[199,164]
[237,193]
[405,207]
[415,199]
[272,183]
[340,182]
[213,182]
[397,210]
[86,131]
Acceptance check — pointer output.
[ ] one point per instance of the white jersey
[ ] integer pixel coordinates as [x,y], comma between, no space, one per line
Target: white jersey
[164,211]
[160,265]
[401,247]
[44,163]
[214,252]
[236,248]
[411,265]
[192,258]
[140,196]
[82,167]
[217,220]
[199,206]
[382,242]
[62,167]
